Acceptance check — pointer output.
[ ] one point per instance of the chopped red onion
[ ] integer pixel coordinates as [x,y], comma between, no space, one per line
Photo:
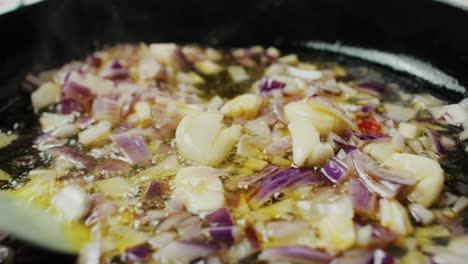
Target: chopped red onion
[372,168]
[157,189]
[387,190]
[172,220]
[78,92]
[133,147]
[366,110]
[247,183]
[278,147]
[348,134]
[100,211]
[111,165]
[252,237]
[188,250]
[435,141]
[220,217]
[46,141]
[278,110]
[294,254]
[335,171]
[381,236]
[336,141]
[332,108]
[74,156]
[84,122]
[276,182]
[115,71]
[363,201]
[373,138]
[69,106]
[190,228]
[223,234]
[106,109]
[137,253]
[375,88]
[268,85]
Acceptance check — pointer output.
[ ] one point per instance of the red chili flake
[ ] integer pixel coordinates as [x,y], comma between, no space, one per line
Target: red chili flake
[370,127]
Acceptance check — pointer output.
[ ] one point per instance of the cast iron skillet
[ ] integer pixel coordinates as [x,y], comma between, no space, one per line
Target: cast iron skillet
[56,31]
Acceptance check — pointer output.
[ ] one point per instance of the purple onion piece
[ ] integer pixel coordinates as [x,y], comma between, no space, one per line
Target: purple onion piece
[106,109]
[438,148]
[111,165]
[172,220]
[336,141]
[348,149]
[363,201]
[137,253]
[384,189]
[276,182]
[373,138]
[133,147]
[115,64]
[294,254]
[348,134]
[77,92]
[156,189]
[268,85]
[373,169]
[334,170]
[69,106]
[373,87]
[258,177]
[115,71]
[220,217]
[366,110]
[189,250]
[223,234]
[74,156]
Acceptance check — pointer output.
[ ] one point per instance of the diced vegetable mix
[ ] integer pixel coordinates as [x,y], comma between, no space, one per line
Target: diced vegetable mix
[171,153]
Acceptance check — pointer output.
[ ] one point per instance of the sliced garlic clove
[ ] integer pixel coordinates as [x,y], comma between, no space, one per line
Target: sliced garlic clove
[47,94]
[324,122]
[202,138]
[244,106]
[427,172]
[51,121]
[307,148]
[199,188]
[72,202]
[394,216]
[95,135]
[380,150]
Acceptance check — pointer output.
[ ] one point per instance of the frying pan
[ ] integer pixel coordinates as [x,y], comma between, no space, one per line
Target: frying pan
[53,32]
